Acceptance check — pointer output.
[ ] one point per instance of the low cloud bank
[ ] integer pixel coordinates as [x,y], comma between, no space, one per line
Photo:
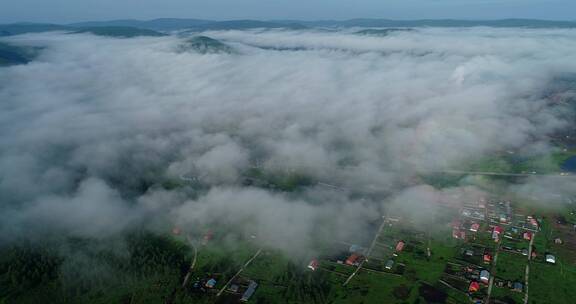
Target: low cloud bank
[92,128]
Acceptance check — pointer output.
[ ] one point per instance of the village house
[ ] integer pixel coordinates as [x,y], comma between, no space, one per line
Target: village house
[313,265]
[474,227]
[353,260]
[474,286]
[400,246]
[496,233]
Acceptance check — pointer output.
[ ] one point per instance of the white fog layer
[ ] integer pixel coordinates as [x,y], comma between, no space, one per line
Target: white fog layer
[93,126]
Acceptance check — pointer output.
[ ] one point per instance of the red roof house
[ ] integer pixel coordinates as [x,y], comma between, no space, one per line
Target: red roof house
[474,287]
[527,235]
[458,234]
[474,227]
[352,260]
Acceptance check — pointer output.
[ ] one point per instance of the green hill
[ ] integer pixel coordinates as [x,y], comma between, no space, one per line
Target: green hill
[382,32]
[12,55]
[205,45]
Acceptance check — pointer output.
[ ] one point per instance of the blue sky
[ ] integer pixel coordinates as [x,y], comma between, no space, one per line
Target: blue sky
[82,10]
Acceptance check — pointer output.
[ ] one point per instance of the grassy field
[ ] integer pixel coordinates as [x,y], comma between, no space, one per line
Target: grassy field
[375,288]
[552,284]
[506,295]
[511,266]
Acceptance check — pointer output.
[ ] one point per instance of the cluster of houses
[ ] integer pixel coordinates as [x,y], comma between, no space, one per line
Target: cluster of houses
[476,276]
[498,216]
[204,285]
[460,229]
[397,249]
[355,255]
[470,277]
[471,216]
[500,212]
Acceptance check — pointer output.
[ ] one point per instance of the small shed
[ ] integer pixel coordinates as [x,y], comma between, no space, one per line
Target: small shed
[210,283]
[550,259]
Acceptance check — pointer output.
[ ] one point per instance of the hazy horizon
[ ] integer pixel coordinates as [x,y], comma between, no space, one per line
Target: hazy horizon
[68,11]
[280,19]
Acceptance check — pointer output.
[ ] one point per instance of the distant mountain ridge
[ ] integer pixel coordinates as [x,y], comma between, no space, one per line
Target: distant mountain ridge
[171,24]
[162,24]
[529,23]
[176,23]
[119,31]
[167,24]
